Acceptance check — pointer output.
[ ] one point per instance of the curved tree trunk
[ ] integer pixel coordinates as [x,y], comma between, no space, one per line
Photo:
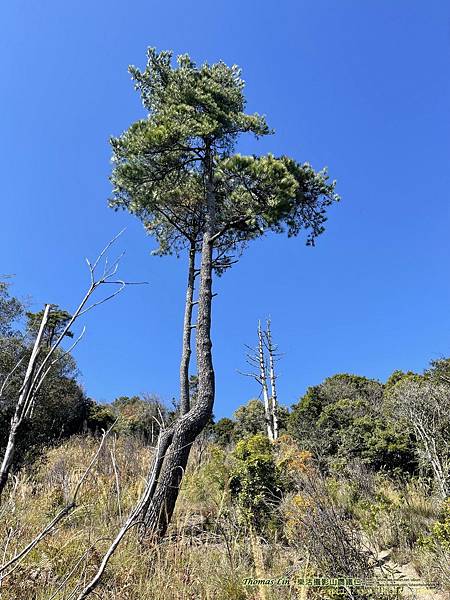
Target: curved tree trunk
[187,329]
[193,422]
[162,504]
[166,438]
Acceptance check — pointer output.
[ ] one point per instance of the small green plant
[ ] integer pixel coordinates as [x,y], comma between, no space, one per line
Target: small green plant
[440,531]
[255,482]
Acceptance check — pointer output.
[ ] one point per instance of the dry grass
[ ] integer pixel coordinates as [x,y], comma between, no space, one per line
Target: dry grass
[207,554]
[201,559]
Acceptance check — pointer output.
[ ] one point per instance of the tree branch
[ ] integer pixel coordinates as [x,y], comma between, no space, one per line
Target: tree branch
[62,513]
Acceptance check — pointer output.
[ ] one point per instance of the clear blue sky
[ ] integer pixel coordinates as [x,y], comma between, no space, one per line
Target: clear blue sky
[362,87]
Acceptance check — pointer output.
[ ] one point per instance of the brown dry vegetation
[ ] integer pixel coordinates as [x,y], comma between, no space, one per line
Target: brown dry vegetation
[321,526]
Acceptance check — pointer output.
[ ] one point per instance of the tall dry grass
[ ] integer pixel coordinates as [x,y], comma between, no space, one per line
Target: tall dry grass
[208,552]
[204,557]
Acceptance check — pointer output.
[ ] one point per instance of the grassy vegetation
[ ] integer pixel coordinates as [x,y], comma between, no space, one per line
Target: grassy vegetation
[315,526]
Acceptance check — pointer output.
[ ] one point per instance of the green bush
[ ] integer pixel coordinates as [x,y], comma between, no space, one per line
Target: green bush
[255,483]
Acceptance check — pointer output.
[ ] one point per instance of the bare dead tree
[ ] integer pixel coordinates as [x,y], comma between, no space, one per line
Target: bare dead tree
[23,403]
[263,383]
[263,370]
[37,370]
[8,567]
[257,360]
[425,405]
[273,356]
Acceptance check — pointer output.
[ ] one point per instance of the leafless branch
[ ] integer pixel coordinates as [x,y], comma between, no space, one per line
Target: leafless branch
[35,375]
[254,376]
[70,506]
[68,575]
[46,372]
[131,521]
[10,374]
[112,452]
[91,306]
[106,248]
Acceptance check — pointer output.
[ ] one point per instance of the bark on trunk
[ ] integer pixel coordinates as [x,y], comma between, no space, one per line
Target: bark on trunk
[193,422]
[187,329]
[163,445]
[167,437]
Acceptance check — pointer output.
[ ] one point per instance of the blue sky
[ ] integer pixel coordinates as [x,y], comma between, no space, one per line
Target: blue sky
[362,87]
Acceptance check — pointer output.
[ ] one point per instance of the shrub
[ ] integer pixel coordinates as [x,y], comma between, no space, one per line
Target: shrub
[255,482]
